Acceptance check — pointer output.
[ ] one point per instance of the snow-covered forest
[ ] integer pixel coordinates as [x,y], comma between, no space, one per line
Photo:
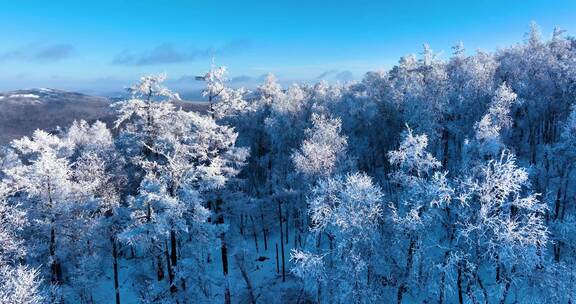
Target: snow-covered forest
[446,179]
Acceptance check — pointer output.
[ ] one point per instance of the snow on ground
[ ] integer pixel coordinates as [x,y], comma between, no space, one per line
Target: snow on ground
[24,96]
[267,283]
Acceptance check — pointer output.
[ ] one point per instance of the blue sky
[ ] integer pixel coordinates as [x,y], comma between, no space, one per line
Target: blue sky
[104,45]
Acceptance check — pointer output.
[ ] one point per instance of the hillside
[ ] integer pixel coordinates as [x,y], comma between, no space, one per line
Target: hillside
[23,111]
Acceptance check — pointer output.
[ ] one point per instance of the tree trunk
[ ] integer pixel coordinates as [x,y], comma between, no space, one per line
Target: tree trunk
[556,248]
[459,283]
[471,294]
[223,247]
[224,253]
[116,278]
[403,286]
[211,105]
[55,266]
[277,263]
[209,207]
[170,269]
[173,249]
[505,292]
[557,202]
[227,296]
[281,241]
[506,275]
[319,291]
[401,291]
[497,268]
[242,224]
[566,180]
[160,270]
[244,273]
[173,259]
[286,225]
[254,234]
[484,291]
[264,231]
[443,280]
[445,138]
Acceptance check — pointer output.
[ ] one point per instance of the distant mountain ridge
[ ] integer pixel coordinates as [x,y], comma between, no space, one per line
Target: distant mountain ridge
[23,111]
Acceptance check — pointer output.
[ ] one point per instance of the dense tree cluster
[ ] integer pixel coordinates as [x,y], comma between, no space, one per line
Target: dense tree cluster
[438,181]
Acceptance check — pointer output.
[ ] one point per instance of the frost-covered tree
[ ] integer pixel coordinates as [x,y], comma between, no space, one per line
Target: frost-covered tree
[144,115]
[215,88]
[497,118]
[270,90]
[412,159]
[349,211]
[66,185]
[18,283]
[193,157]
[232,104]
[44,178]
[420,88]
[559,173]
[96,137]
[85,206]
[502,229]
[98,172]
[12,224]
[421,195]
[323,151]
[97,166]
[565,157]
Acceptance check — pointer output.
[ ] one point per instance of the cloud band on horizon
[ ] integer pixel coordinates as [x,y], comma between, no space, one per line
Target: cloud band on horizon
[39,53]
[167,53]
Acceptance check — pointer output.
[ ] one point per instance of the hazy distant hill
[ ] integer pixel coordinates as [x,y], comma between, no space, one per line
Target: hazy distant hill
[23,111]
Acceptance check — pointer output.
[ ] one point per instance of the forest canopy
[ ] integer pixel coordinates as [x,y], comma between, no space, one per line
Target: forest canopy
[437,181]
